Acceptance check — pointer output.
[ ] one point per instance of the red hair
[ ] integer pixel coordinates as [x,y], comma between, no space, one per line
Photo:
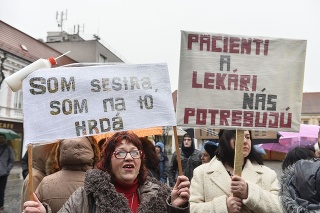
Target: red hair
[109,147]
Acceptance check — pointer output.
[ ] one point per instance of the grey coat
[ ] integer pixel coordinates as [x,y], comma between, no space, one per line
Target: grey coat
[188,165]
[300,187]
[152,196]
[6,159]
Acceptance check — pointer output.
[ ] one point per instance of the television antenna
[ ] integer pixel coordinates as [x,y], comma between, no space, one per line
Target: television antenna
[60,17]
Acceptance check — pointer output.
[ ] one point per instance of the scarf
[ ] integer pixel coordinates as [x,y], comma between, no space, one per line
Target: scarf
[130,192]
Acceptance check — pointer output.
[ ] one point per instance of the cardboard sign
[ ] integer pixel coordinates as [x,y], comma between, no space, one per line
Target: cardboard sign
[242,82]
[69,102]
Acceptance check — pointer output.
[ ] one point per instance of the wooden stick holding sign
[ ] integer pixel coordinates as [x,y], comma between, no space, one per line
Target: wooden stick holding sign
[238,153]
[30,147]
[177,150]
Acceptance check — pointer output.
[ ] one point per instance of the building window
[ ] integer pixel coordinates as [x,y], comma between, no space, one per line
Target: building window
[305,122]
[102,59]
[18,100]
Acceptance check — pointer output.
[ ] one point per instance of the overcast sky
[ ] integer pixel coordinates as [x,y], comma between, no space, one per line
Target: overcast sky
[146,31]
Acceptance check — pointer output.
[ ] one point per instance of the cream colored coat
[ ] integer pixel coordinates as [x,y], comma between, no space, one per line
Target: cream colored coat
[210,187]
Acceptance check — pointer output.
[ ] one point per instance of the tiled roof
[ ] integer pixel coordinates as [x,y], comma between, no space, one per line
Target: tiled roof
[311,103]
[12,39]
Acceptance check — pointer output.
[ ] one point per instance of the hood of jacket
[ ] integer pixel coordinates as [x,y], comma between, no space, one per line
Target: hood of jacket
[78,154]
[161,145]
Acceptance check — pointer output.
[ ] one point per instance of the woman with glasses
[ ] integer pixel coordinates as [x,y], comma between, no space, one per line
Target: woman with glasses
[120,184]
[215,188]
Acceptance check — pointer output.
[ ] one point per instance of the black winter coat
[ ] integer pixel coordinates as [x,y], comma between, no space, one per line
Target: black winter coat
[188,165]
[300,187]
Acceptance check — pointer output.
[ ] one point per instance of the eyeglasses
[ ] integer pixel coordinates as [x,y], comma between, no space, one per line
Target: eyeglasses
[122,154]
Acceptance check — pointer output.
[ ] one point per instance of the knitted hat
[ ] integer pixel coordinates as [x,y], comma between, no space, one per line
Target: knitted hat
[211,148]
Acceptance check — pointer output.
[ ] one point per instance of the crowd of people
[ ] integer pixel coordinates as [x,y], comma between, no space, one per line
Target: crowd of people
[130,176]
[125,173]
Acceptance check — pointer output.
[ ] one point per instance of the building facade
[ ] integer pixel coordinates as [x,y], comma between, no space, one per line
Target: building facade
[310,112]
[84,51]
[18,50]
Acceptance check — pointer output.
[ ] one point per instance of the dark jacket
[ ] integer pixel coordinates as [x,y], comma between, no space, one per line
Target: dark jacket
[24,165]
[188,165]
[190,159]
[152,196]
[6,159]
[300,187]
[164,163]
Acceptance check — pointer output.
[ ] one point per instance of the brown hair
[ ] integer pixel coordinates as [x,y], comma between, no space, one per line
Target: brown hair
[109,147]
[151,158]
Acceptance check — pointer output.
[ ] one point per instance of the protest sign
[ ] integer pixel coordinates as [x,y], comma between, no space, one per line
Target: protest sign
[242,82]
[68,102]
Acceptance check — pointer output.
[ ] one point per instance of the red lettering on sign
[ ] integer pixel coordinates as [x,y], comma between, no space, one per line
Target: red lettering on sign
[225,81]
[195,84]
[237,118]
[226,44]
[187,113]
[192,38]
[208,80]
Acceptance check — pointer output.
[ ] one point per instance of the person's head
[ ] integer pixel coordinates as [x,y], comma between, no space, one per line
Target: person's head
[82,153]
[159,147]
[316,150]
[208,152]
[187,146]
[226,149]
[187,141]
[150,156]
[122,158]
[295,154]
[2,139]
